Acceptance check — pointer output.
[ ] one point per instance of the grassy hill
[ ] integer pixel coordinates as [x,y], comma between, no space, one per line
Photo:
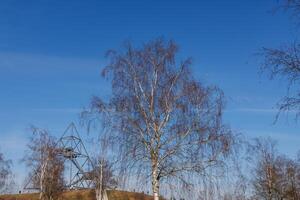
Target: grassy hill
[83,195]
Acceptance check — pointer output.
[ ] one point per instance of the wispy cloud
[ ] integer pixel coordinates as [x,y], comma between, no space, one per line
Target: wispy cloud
[258,110]
[38,61]
[254,110]
[59,110]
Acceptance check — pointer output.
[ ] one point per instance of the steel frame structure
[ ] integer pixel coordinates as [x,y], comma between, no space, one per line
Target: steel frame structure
[78,165]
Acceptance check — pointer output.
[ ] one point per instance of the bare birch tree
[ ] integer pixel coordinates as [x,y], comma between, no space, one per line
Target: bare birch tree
[167,124]
[275,176]
[6,180]
[45,164]
[102,175]
[289,172]
[266,177]
[103,178]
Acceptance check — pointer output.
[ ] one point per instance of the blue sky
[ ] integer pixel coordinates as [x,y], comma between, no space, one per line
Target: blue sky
[52,52]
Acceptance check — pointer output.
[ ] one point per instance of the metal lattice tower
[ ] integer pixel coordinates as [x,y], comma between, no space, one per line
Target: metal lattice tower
[78,165]
[77,161]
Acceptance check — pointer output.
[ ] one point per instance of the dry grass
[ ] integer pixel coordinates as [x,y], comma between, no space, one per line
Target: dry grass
[19,197]
[83,195]
[122,195]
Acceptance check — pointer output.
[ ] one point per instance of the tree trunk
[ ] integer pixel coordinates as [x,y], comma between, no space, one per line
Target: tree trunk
[99,189]
[98,194]
[155,184]
[156,195]
[42,176]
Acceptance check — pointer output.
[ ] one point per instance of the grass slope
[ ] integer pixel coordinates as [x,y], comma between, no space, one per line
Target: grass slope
[82,195]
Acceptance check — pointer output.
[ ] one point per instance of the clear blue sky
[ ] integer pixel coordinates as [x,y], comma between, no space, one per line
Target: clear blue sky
[51,54]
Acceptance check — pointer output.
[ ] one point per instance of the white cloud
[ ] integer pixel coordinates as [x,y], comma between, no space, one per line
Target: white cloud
[259,110]
[254,110]
[59,110]
[15,61]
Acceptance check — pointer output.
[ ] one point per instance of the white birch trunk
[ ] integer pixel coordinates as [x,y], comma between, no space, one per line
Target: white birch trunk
[42,176]
[98,194]
[155,184]
[99,189]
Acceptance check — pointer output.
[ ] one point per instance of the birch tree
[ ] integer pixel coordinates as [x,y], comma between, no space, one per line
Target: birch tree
[167,124]
[275,176]
[6,180]
[45,164]
[103,178]
[266,179]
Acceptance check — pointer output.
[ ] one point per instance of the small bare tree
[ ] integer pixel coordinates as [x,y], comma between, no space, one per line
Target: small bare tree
[266,179]
[167,124]
[275,176]
[6,180]
[289,171]
[45,164]
[103,170]
[103,178]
